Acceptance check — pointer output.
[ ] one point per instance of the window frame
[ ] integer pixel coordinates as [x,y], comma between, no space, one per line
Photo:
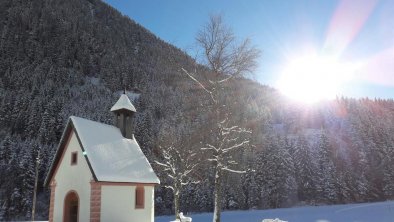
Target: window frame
[139,197]
[74,158]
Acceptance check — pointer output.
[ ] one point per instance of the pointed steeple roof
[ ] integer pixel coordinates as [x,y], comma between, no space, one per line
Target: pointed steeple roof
[123,103]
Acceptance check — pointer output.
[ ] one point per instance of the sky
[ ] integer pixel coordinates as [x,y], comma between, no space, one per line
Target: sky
[356,33]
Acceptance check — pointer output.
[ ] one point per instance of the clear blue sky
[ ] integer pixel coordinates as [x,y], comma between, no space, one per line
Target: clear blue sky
[359,31]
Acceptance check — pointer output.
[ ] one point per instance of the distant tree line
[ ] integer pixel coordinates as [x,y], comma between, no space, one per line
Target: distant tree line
[341,152]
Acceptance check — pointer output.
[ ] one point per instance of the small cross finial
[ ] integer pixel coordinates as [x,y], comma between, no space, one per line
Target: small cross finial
[124,91]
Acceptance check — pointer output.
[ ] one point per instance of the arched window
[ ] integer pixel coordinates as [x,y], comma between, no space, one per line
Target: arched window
[139,197]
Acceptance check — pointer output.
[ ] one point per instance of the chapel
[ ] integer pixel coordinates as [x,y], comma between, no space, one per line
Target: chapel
[99,172]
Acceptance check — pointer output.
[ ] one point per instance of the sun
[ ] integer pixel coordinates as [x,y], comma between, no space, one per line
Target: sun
[313,78]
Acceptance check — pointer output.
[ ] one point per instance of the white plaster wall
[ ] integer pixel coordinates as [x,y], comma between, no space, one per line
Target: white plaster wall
[118,204]
[73,177]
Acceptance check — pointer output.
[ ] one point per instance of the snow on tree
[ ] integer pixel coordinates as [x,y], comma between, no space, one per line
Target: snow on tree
[5,150]
[326,170]
[249,184]
[226,60]
[388,169]
[26,178]
[305,170]
[178,161]
[277,174]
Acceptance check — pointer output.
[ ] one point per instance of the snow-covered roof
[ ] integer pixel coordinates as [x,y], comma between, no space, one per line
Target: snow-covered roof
[123,103]
[112,157]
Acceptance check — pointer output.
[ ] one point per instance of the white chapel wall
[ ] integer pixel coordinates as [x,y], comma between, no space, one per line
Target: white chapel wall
[73,177]
[118,204]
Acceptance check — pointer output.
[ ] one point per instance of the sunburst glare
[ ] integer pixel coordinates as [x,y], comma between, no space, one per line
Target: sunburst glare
[313,78]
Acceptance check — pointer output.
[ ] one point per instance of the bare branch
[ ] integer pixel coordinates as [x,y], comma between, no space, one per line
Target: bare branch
[233,171]
[169,187]
[223,54]
[207,148]
[161,164]
[235,146]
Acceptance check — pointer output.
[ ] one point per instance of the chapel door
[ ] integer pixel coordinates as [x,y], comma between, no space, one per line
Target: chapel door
[71,207]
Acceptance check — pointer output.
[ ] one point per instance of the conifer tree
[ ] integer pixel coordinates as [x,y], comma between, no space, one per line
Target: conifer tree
[305,170]
[326,171]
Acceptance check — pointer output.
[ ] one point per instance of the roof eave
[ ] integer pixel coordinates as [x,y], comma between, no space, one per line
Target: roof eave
[121,109]
[128,182]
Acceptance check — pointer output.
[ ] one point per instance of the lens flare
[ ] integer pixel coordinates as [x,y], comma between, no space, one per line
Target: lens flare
[313,78]
[347,21]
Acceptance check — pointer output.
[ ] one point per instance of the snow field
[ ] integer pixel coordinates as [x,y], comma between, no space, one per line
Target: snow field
[366,212]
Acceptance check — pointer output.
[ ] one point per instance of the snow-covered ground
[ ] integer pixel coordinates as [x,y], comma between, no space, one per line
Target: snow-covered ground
[367,212]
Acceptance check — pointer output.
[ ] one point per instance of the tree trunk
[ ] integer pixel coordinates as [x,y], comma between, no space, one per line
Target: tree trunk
[176,201]
[218,195]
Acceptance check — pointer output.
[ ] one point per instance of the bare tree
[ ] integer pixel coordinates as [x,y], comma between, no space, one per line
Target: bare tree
[178,161]
[227,59]
[223,54]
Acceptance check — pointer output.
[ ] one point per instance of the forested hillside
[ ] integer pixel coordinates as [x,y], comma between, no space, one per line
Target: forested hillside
[62,58]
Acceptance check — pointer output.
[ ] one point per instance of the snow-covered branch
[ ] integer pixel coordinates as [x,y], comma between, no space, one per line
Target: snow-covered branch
[235,146]
[233,171]
[200,84]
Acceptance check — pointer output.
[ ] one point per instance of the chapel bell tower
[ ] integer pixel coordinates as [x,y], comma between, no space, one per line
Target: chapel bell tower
[123,116]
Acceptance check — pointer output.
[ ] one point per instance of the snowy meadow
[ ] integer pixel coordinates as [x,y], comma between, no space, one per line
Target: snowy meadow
[366,212]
